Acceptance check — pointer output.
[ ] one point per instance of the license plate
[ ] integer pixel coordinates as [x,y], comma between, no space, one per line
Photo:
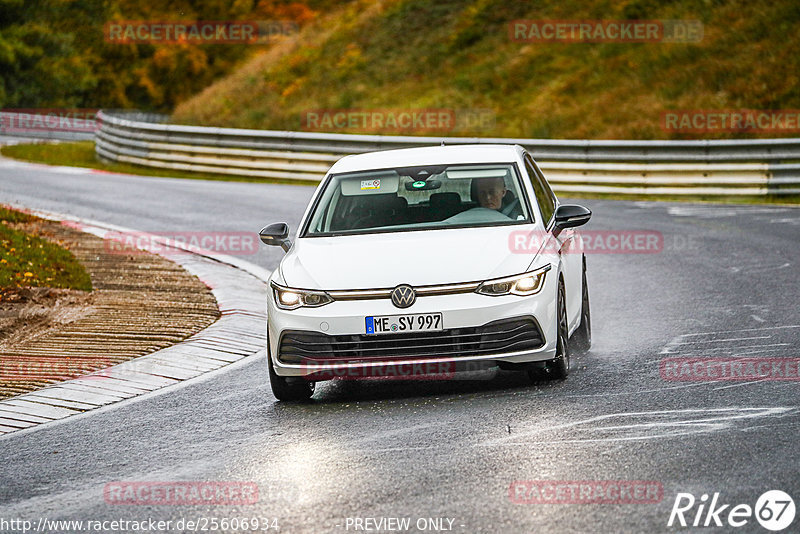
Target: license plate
[397,324]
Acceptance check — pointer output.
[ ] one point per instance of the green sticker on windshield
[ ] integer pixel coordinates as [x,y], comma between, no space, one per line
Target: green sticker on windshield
[419,184]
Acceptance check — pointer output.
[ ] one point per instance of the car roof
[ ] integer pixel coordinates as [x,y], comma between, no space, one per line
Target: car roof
[433,155]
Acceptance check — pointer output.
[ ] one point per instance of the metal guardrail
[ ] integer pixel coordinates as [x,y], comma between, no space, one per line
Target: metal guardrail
[61,124]
[51,126]
[697,168]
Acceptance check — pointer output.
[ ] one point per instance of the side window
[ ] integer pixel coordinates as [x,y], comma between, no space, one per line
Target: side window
[548,191]
[544,195]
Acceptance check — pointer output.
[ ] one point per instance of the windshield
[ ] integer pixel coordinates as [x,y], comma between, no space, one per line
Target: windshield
[421,197]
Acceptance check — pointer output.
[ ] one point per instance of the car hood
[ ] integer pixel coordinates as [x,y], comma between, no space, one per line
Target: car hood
[417,258]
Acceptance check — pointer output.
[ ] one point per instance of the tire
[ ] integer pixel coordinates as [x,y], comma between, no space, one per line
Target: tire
[582,338]
[298,390]
[558,367]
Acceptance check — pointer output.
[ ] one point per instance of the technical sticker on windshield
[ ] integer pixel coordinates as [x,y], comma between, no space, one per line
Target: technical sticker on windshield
[370,184]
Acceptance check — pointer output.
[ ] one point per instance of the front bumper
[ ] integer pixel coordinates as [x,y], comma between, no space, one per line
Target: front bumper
[460,311]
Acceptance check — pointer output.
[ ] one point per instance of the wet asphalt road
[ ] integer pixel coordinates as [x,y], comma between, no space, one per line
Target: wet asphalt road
[725,284]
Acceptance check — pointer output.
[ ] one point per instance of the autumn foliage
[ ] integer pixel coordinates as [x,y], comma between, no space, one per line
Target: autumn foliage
[53,52]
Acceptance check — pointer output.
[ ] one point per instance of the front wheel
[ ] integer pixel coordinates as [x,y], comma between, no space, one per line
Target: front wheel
[294,389]
[558,367]
[582,337]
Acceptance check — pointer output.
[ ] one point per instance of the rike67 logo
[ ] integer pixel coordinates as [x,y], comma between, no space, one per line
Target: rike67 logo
[774,510]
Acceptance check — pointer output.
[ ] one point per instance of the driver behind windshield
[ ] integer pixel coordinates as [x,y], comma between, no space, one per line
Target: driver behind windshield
[490,192]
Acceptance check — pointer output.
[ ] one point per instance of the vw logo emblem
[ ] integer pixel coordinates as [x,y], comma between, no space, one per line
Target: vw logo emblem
[403,296]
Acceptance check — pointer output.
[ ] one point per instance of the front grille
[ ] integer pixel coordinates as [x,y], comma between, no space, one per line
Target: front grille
[497,337]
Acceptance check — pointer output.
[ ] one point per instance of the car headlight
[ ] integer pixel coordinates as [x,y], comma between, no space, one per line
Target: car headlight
[288,298]
[523,284]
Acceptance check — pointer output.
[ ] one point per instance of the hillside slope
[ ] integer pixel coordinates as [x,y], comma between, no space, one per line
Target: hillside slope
[417,54]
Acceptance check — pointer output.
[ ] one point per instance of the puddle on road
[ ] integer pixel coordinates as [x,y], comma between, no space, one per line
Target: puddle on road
[770,341]
[628,426]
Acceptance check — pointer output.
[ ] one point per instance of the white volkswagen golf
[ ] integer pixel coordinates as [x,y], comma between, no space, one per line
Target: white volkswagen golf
[427,261]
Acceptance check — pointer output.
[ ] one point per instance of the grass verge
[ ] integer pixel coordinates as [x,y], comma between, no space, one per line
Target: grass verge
[82,154]
[27,260]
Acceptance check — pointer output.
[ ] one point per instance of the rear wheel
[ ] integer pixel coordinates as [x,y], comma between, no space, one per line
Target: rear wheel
[558,367]
[288,388]
[582,338]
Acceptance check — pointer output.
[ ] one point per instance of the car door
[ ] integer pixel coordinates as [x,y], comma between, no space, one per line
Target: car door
[566,243]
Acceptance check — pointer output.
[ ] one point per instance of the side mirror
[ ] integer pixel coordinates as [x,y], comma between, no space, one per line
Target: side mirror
[276,234]
[570,216]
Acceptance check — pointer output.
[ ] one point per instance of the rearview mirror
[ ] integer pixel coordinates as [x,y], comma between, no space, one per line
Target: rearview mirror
[423,185]
[570,216]
[276,234]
